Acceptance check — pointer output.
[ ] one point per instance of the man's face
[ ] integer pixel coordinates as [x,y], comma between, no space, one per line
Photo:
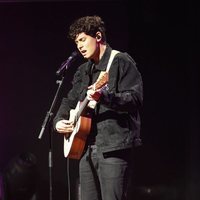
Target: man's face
[87,45]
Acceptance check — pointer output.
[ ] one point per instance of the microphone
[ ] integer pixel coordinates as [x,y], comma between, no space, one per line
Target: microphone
[66,63]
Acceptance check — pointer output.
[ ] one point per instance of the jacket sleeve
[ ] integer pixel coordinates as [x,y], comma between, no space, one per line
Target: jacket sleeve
[70,101]
[128,92]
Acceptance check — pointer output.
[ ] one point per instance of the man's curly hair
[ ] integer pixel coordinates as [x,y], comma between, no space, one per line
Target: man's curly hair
[90,25]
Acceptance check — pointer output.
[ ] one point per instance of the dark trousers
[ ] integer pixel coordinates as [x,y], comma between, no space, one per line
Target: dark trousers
[104,176]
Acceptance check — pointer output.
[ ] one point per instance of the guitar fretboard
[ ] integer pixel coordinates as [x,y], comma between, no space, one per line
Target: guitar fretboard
[81,108]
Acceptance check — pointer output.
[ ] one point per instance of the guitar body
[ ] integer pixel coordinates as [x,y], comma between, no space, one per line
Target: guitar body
[74,145]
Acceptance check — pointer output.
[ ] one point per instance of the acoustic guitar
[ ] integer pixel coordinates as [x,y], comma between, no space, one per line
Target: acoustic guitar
[75,143]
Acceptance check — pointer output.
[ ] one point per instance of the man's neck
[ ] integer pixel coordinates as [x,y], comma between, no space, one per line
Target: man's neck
[101,51]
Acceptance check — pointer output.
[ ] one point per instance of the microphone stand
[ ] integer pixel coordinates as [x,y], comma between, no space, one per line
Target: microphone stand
[48,122]
[49,115]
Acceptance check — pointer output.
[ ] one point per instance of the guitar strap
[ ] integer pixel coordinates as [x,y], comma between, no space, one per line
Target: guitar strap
[92,104]
[112,55]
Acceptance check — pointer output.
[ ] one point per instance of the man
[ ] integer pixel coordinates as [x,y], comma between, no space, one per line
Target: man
[113,109]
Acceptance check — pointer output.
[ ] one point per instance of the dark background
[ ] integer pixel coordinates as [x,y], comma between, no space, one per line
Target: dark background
[161,37]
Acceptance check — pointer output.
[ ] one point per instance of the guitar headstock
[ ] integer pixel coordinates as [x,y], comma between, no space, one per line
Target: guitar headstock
[101,81]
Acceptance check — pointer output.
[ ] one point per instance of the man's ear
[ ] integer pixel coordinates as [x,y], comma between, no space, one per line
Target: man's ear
[98,35]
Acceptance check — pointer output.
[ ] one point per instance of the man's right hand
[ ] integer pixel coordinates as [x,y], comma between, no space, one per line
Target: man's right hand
[65,127]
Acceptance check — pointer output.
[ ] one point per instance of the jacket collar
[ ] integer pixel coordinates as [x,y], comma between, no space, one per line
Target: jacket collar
[102,65]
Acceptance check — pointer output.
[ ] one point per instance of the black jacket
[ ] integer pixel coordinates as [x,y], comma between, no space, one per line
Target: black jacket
[116,119]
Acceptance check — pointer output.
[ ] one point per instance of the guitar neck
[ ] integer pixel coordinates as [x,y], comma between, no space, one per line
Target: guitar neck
[102,80]
[81,108]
